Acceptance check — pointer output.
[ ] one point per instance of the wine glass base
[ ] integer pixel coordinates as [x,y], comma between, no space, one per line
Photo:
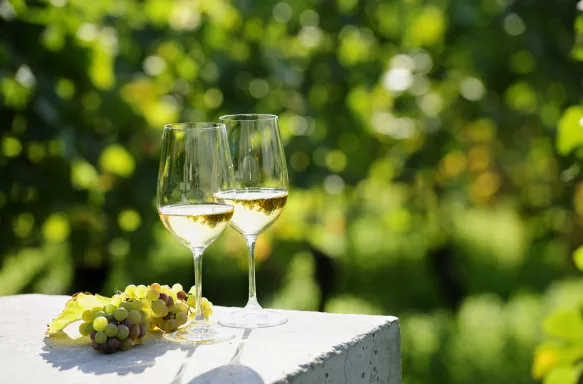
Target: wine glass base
[199,333]
[253,318]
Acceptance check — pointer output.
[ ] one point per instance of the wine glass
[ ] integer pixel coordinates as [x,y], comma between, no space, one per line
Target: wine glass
[261,188]
[195,164]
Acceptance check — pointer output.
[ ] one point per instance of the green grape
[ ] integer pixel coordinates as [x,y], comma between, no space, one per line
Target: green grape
[122,332]
[181,307]
[177,287]
[171,325]
[141,291]
[126,344]
[181,318]
[134,317]
[100,323]
[191,301]
[127,305]
[172,309]
[147,303]
[158,306]
[146,314]
[153,295]
[165,312]
[88,316]
[101,337]
[99,313]
[155,286]
[120,314]
[116,300]
[110,330]
[110,308]
[83,329]
[109,318]
[89,327]
[137,305]
[206,305]
[166,291]
[131,290]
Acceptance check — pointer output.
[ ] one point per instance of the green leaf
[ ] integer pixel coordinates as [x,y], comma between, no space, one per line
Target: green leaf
[546,358]
[578,258]
[74,309]
[570,131]
[566,324]
[562,375]
[579,24]
[577,50]
[553,354]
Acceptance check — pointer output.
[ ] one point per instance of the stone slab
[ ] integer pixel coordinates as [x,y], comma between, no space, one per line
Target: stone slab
[310,348]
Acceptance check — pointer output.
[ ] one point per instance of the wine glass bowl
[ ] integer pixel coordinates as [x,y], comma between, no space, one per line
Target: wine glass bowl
[195,165]
[260,194]
[256,208]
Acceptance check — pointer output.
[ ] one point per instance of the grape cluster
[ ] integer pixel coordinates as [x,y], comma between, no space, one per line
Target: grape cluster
[114,326]
[165,305]
[123,322]
[207,306]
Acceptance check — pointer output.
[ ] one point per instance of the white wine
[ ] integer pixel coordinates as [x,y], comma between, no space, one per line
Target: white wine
[196,225]
[255,208]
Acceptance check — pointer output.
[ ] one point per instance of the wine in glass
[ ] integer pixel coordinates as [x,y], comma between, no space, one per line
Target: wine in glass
[195,165]
[261,188]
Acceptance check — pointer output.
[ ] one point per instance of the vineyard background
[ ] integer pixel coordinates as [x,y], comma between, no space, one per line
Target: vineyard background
[433,149]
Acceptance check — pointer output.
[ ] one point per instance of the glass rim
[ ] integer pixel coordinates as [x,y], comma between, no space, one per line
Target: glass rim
[248,117]
[193,125]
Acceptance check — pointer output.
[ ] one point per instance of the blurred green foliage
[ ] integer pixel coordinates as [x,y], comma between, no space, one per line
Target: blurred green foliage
[433,147]
[558,358]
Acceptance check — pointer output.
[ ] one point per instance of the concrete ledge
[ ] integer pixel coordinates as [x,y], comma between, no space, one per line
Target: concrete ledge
[311,348]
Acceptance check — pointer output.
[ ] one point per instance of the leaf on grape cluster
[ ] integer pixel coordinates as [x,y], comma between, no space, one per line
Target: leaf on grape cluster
[74,310]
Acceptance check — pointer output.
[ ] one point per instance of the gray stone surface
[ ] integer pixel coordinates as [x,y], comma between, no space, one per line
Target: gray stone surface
[311,348]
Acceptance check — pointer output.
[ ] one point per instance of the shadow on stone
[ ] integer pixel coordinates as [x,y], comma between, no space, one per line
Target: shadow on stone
[229,374]
[233,372]
[65,353]
[178,377]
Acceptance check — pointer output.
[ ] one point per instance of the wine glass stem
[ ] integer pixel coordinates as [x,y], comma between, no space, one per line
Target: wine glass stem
[197,253]
[252,302]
